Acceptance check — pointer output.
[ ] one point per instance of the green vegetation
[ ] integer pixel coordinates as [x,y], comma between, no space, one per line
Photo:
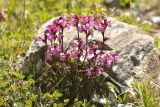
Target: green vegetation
[18,29]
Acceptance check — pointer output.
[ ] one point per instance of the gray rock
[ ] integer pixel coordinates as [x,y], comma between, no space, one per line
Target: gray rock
[139,59]
[156,19]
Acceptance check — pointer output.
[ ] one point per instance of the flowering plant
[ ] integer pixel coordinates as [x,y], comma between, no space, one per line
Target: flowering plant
[85,60]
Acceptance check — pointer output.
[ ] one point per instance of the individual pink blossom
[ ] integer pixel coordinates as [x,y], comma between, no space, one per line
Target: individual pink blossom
[61,21]
[89,71]
[53,27]
[109,59]
[91,51]
[53,50]
[63,56]
[108,23]
[74,44]
[87,26]
[80,28]
[94,46]
[73,54]
[82,44]
[74,19]
[68,25]
[50,36]
[91,21]
[101,57]
[99,70]
[103,24]
[59,37]
[90,55]
[39,39]
[116,57]
[83,19]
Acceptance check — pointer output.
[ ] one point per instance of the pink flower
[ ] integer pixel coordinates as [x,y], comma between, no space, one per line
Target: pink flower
[62,21]
[99,70]
[54,50]
[63,56]
[50,37]
[109,59]
[53,27]
[103,24]
[39,39]
[116,57]
[91,21]
[80,29]
[108,23]
[91,51]
[83,19]
[101,27]
[59,37]
[87,26]
[68,25]
[90,56]
[82,44]
[73,54]
[101,58]
[94,46]
[74,19]
[89,71]
[75,44]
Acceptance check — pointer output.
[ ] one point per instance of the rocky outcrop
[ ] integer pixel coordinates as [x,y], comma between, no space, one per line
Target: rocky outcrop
[139,59]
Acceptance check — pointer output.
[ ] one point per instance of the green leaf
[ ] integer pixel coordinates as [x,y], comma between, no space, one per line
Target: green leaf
[3,74]
[156,42]
[107,103]
[12,7]
[85,103]
[18,104]
[66,101]
[13,88]
[57,94]
[28,103]
[17,74]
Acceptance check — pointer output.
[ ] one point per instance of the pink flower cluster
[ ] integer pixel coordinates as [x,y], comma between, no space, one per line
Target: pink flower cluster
[104,62]
[80,50]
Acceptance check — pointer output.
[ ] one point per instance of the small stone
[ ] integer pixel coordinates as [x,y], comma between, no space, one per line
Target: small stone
[156,19]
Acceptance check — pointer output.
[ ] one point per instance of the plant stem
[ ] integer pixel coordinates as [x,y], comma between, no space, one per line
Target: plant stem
[86,46]
[103,39]
[62,41]
[78,46]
